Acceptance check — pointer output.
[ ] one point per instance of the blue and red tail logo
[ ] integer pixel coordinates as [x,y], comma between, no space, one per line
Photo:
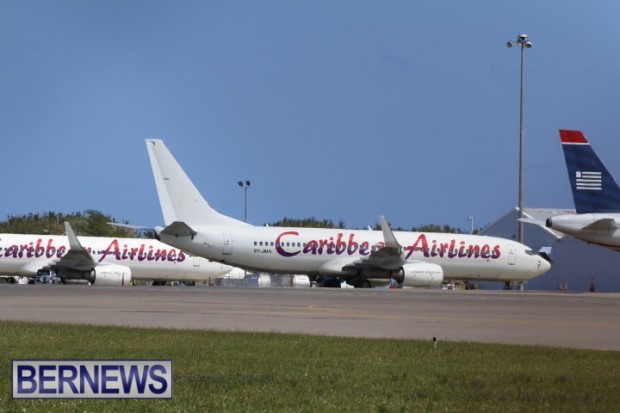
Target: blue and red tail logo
[594,189]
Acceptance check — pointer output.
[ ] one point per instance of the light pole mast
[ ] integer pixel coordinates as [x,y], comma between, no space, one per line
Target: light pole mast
[525,44]
[245,185]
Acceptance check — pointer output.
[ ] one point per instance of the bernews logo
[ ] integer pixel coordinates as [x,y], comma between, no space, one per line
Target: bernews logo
[92,379]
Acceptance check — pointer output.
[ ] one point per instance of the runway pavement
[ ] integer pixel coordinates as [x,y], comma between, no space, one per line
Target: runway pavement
[587,321]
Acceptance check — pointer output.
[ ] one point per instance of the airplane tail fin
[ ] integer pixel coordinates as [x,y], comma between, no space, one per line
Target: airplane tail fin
[179,199]
[594,189]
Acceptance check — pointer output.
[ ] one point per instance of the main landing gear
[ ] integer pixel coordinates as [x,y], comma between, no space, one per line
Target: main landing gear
[334,282]
[361,283]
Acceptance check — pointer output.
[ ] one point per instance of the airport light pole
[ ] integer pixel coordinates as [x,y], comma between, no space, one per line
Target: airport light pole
[471,219]
[245,185]
[523,41]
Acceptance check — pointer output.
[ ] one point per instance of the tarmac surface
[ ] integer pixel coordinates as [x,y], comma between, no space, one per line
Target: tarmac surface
[582,320]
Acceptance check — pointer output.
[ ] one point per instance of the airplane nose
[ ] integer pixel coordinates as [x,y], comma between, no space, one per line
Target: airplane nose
[543,265]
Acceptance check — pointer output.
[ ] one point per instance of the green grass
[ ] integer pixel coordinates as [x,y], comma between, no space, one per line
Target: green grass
[226,371]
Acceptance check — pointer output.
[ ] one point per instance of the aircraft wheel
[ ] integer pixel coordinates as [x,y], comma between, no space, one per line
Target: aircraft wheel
[362,283]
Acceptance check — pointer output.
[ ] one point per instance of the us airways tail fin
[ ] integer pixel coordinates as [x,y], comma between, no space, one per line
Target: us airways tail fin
[594,189]
[179,199]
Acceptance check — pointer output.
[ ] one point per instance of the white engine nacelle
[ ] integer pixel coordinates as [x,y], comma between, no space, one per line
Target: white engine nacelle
[110,275]
[421,274]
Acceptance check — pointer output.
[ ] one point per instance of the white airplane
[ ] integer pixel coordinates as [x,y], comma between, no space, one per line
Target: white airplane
[595,192]
[412,258]
[102,260]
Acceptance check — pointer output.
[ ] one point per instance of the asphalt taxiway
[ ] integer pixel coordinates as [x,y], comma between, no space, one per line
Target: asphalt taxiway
[586,320]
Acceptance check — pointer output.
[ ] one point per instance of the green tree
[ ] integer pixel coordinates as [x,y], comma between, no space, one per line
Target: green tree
[89,223]
[438,228]
[326,223]
[307,223]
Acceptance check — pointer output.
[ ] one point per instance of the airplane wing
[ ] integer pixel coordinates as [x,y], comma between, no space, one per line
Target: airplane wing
[387,258]
[77,257]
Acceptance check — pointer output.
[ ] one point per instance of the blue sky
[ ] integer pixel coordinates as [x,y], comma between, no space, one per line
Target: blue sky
[344,110]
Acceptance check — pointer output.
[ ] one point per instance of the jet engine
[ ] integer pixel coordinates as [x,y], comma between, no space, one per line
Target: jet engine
[420,274]
[110,275]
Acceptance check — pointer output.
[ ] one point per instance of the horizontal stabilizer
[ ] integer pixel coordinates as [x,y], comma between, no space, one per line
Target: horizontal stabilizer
[605,224]
[179,229]
[532,221]
[134,227]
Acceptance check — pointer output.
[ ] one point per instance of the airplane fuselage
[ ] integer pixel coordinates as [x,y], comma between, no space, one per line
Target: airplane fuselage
[327,251]
[409,258]
[146,258]
[596,228]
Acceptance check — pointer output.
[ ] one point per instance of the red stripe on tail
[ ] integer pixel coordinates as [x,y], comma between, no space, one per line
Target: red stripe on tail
[572,136]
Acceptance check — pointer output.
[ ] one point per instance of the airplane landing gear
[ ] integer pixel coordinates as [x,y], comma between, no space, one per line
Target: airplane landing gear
[361,283]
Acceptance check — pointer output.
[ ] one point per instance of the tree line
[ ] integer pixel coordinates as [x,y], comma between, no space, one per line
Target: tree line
[327,223]
[96,223]
[87,223]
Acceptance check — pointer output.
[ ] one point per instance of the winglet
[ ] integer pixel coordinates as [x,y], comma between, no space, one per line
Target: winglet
[532,221]
[388,235]
[74,243]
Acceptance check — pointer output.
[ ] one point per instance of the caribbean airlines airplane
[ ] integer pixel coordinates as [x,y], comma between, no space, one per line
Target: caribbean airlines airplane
[412,258]
[102,261]
[595,192]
